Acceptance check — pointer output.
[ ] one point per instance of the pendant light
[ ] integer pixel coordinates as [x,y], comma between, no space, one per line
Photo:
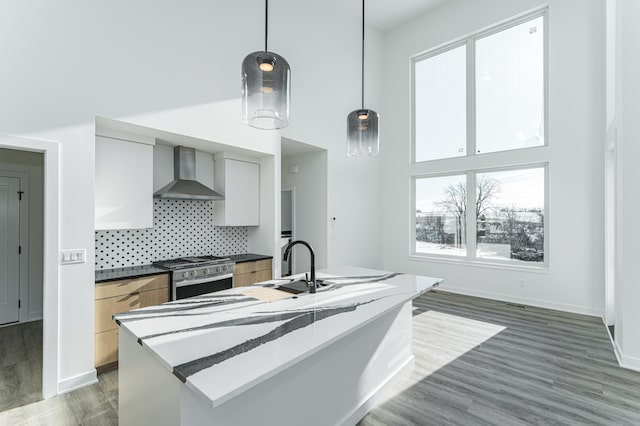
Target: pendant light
[266,86]
[362,124]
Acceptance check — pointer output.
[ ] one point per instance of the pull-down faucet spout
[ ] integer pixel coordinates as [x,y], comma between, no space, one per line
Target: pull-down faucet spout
[287,250]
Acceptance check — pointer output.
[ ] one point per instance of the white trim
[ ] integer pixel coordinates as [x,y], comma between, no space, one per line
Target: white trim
[539,303]
[51,273]
[34,316]
[470,233]
[479,263]
[77,382]
[625,361]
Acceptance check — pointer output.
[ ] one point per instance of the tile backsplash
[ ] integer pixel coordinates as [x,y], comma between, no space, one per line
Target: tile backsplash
[180,228]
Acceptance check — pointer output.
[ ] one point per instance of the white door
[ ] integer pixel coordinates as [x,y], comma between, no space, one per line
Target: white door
[9,243]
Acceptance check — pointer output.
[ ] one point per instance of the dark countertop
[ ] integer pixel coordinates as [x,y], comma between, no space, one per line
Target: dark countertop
[248,257]
[103,275]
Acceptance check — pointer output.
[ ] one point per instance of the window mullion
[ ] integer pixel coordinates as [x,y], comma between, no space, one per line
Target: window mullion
[471,215]
[471,98]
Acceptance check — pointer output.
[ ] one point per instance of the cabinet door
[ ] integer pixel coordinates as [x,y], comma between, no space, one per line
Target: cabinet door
[121,296]
[124,184]
[106,347]
[241,205]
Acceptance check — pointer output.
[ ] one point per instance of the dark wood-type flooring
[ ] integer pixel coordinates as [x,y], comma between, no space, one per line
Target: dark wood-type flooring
[478,362]
[482,362]
[20,364]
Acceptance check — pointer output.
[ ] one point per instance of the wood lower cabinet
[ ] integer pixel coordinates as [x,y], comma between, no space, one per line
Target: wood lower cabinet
[248,273]
[113,297]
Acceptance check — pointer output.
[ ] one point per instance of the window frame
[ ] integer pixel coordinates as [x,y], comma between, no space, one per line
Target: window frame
[471,225]
[469,41]
[472,162]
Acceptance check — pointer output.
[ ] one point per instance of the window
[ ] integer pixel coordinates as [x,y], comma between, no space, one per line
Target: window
[478,103]
[509,79]
[441,104]
[440,215]
[510,215]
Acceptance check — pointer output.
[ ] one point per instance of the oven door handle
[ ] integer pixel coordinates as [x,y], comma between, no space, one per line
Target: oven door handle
[202,280]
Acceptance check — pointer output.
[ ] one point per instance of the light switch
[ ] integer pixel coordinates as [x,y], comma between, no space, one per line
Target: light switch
[71,256]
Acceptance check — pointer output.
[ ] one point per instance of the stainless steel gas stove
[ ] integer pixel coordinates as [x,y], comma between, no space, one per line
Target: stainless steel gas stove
[194,276]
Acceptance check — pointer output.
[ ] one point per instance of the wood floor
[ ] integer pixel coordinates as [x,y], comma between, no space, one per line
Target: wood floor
[478,362]
[20,364]
[481,362]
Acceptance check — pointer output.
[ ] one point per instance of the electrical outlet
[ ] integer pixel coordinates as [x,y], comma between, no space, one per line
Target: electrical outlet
[68,257]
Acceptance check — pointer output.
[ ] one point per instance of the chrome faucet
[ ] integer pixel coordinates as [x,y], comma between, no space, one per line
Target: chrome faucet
[311,284]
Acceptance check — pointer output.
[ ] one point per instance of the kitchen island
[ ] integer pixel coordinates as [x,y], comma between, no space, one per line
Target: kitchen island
[234,358]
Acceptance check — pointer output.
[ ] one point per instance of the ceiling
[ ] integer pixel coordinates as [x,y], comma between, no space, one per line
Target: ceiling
[292,148]
[387,14]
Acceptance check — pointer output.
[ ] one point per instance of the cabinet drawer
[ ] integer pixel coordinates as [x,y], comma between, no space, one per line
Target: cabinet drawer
[250,267]
[106,347]
[128,286]
[105,308]
[251,278]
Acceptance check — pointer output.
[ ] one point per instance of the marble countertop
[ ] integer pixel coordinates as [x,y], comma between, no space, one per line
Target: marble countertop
[224,343]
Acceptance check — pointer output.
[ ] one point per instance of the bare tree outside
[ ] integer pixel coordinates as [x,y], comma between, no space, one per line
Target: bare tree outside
[455,202]
[509,214]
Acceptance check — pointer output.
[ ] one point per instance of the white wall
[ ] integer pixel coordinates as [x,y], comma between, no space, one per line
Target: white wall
[310,183]
[175,66]
[32,164]
[627,290]
[576,99]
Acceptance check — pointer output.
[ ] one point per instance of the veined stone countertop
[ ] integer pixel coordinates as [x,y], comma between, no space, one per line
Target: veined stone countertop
[224,343]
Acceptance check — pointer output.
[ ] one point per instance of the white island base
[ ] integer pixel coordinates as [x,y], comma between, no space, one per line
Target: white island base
[335,385]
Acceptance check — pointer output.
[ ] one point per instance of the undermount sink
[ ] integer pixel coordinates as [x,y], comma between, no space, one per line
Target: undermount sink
[295,287]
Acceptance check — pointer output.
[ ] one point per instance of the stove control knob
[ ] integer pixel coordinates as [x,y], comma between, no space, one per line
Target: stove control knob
[207,271]
[193,273]
[185,274]
[218,269]
[225,268]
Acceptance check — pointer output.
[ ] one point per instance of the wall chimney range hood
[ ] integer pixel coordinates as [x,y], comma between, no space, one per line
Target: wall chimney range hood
[184,186]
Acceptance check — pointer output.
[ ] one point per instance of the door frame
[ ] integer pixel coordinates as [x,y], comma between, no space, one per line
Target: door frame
[23,280]
[291,189]
[609,231]
[50,278]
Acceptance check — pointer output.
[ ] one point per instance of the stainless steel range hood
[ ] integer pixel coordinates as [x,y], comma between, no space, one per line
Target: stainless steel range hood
[184,186]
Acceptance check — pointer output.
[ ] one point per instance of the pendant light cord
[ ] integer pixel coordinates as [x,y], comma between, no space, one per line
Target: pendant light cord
[362,76]
[266,23]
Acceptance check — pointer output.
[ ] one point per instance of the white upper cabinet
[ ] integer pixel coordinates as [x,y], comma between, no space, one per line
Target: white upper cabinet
[124,184]
[239,182]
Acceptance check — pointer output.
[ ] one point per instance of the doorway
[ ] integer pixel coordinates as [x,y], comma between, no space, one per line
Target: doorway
[49,204]
[287,227]
[21,276]
[304,176]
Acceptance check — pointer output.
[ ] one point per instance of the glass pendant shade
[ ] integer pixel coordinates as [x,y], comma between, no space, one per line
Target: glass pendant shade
[362,133]
[266,94]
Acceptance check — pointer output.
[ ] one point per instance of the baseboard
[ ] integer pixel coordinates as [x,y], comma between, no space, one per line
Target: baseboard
[378,395]
[34,316]
[625,361]
[583,310]
[77,382]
